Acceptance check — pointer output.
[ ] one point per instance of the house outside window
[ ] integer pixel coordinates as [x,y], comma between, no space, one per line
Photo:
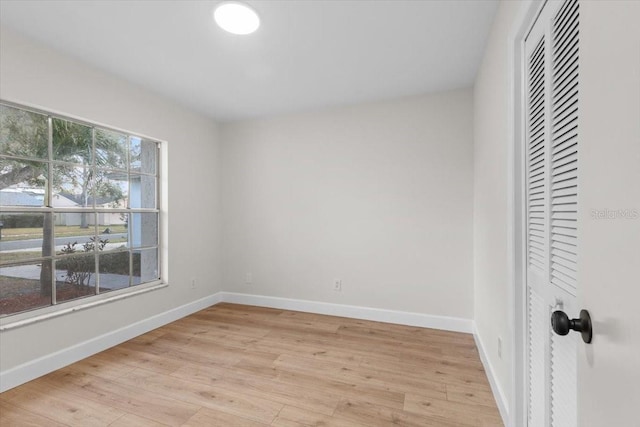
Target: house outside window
[79,210]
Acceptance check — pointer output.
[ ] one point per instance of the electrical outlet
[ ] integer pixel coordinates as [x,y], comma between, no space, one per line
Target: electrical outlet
[337,285]
[193,283]
[500,347]
[248,279]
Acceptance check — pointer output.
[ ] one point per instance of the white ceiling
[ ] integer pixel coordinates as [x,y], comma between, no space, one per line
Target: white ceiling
[305,55]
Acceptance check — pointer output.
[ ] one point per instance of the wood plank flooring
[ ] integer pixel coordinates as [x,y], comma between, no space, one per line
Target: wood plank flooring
[234,365]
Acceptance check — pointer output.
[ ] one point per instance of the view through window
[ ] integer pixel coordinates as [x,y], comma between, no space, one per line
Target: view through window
[79,210]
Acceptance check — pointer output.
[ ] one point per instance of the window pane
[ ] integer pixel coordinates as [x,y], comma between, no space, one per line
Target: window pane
[71,225]
[21,237]
[23,183]
[80,186]
[144,229]
[23,133]
[111,189]
[144,155]
[73,186]
[111,149]
[145,265]
[143,192]
[112,230]
[114,271]
[72,142]
[71,237]
[21,288]
[75,277]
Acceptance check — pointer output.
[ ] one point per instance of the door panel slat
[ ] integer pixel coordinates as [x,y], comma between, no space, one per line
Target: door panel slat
[552,161]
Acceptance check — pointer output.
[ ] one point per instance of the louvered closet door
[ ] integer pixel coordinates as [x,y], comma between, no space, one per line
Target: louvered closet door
[551,66]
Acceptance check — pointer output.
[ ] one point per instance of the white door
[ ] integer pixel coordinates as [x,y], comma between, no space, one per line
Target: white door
[552,141]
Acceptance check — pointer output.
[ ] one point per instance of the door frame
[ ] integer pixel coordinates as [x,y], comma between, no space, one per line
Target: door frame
[516,199]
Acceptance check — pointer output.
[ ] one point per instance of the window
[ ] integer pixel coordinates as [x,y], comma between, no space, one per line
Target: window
[79,210]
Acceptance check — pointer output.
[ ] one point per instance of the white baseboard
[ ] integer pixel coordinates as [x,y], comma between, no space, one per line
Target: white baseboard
[498,394]
[356,312]
[43,365]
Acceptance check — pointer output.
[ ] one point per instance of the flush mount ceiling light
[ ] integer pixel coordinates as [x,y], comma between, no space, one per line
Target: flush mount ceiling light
[236,17]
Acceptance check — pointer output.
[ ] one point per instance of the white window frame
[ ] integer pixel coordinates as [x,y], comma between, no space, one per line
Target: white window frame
[39,314]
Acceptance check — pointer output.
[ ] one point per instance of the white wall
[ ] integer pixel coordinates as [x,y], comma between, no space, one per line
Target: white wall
[492,114]
[37,76]
[609,257]
[378,195]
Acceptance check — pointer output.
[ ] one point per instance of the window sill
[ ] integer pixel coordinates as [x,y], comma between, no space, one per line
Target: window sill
[24,319]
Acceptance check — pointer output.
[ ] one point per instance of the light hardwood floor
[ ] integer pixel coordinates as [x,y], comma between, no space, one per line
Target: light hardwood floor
[235,365]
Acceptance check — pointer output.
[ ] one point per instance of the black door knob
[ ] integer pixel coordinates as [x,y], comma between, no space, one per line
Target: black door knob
[561,324]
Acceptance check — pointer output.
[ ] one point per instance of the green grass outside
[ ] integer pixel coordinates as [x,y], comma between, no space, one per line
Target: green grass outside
[11,257]
[9,234]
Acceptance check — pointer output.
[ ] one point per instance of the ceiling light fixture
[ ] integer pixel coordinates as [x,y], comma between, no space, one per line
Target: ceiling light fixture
[236,17]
